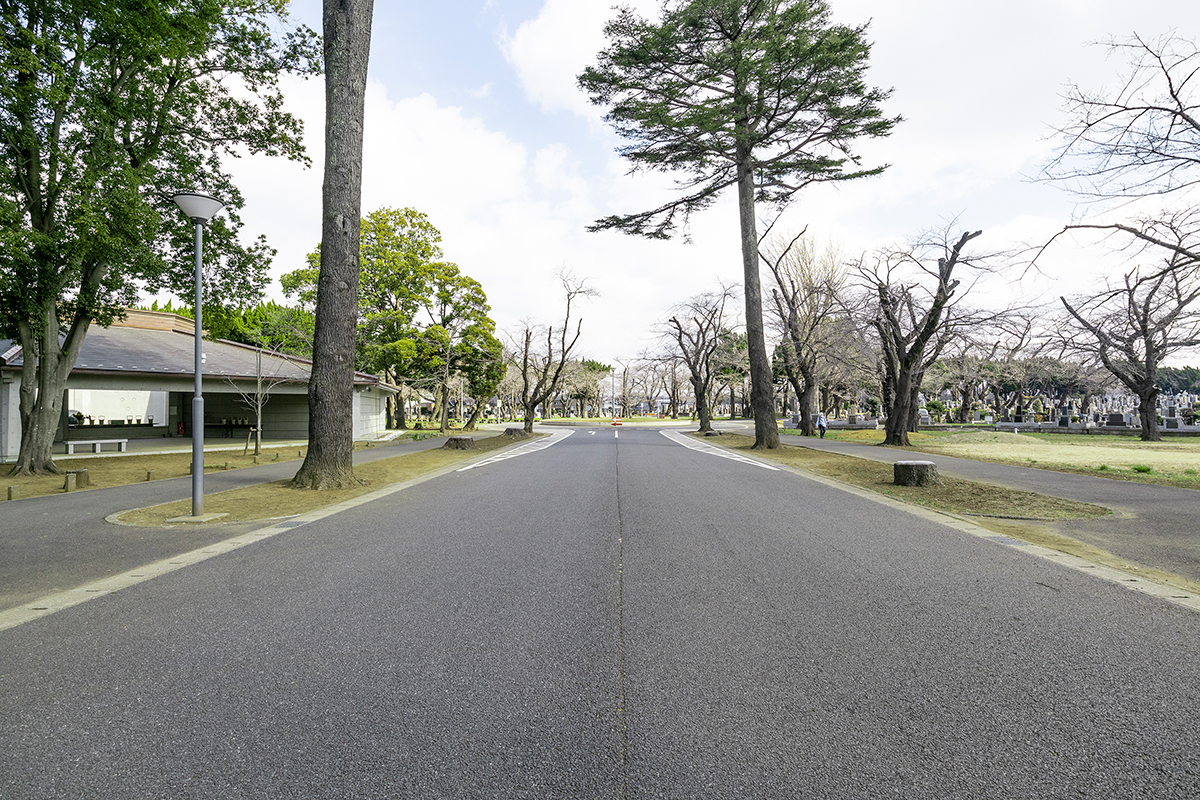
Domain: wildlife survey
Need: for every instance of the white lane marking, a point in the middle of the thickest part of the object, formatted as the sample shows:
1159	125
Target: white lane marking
708	449
616	434
525	449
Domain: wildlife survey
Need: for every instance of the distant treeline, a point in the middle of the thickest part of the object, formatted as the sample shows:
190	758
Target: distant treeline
1179	379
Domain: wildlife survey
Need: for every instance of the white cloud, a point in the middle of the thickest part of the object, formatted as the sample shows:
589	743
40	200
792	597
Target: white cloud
549	51
977	87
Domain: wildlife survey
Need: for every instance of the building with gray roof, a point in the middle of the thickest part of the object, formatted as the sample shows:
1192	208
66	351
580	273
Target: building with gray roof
150	354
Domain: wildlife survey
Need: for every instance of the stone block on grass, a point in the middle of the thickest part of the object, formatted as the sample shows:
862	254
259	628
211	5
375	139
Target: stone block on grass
915	473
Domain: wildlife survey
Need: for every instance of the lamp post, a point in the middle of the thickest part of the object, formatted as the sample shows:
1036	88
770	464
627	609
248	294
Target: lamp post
199	208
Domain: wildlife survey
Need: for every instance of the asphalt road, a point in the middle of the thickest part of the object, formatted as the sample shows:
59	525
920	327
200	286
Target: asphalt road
1152	525
59	541
609	618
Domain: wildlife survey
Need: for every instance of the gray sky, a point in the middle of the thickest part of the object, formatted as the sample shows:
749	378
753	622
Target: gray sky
473	118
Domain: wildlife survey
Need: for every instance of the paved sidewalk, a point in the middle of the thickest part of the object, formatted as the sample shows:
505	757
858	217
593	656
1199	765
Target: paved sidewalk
1155	526
57	542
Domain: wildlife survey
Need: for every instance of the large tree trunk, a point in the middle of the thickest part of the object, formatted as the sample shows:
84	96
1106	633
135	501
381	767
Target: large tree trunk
476	412
1148	414
46	366
806	395
903	403
766	431
330	460
702	409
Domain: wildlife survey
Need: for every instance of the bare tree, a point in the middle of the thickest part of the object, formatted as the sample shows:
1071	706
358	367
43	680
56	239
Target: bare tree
1133	327
1142	139
808	293
914	320
1140	143
697	329
329	463
543	353
256	398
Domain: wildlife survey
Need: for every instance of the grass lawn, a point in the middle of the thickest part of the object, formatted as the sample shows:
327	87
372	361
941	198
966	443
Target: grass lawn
1172	462
120	470
954	496
278	499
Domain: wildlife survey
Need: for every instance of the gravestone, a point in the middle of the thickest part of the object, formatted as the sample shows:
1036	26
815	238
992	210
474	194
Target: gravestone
1064	422
1116	420
1173	422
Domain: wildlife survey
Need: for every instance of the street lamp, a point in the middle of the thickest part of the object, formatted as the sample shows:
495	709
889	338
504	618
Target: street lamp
199	208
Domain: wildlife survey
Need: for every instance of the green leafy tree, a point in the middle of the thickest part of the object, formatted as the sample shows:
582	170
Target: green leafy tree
481	361
421	322
766	96
107	109
460	336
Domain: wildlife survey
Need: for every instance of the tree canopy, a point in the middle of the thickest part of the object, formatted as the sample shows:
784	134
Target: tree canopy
421	321
106	110
765	95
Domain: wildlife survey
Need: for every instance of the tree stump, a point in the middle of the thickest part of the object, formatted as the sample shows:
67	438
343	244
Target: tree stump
915	473
712	433
460	443
515	433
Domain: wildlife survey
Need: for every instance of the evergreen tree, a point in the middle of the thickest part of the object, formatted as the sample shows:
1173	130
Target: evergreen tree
766	96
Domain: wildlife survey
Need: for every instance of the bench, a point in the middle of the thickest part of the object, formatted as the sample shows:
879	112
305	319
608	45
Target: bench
122	444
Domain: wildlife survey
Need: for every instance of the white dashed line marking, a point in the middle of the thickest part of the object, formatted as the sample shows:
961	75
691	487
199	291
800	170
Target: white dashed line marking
525	449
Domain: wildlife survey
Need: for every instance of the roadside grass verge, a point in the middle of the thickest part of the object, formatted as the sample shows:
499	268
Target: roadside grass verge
120	470
277	499
1022	515
1172	462
954	496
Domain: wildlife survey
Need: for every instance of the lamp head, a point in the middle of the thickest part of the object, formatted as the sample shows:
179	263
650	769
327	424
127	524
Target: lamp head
198	207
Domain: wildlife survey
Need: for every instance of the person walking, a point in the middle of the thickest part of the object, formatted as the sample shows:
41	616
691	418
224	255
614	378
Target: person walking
822	423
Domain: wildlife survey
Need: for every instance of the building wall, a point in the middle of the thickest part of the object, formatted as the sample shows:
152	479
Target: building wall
370	412
10	417
285	416
126	404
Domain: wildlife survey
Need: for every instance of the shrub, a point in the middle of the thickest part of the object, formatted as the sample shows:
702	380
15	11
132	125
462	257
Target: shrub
1141	468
